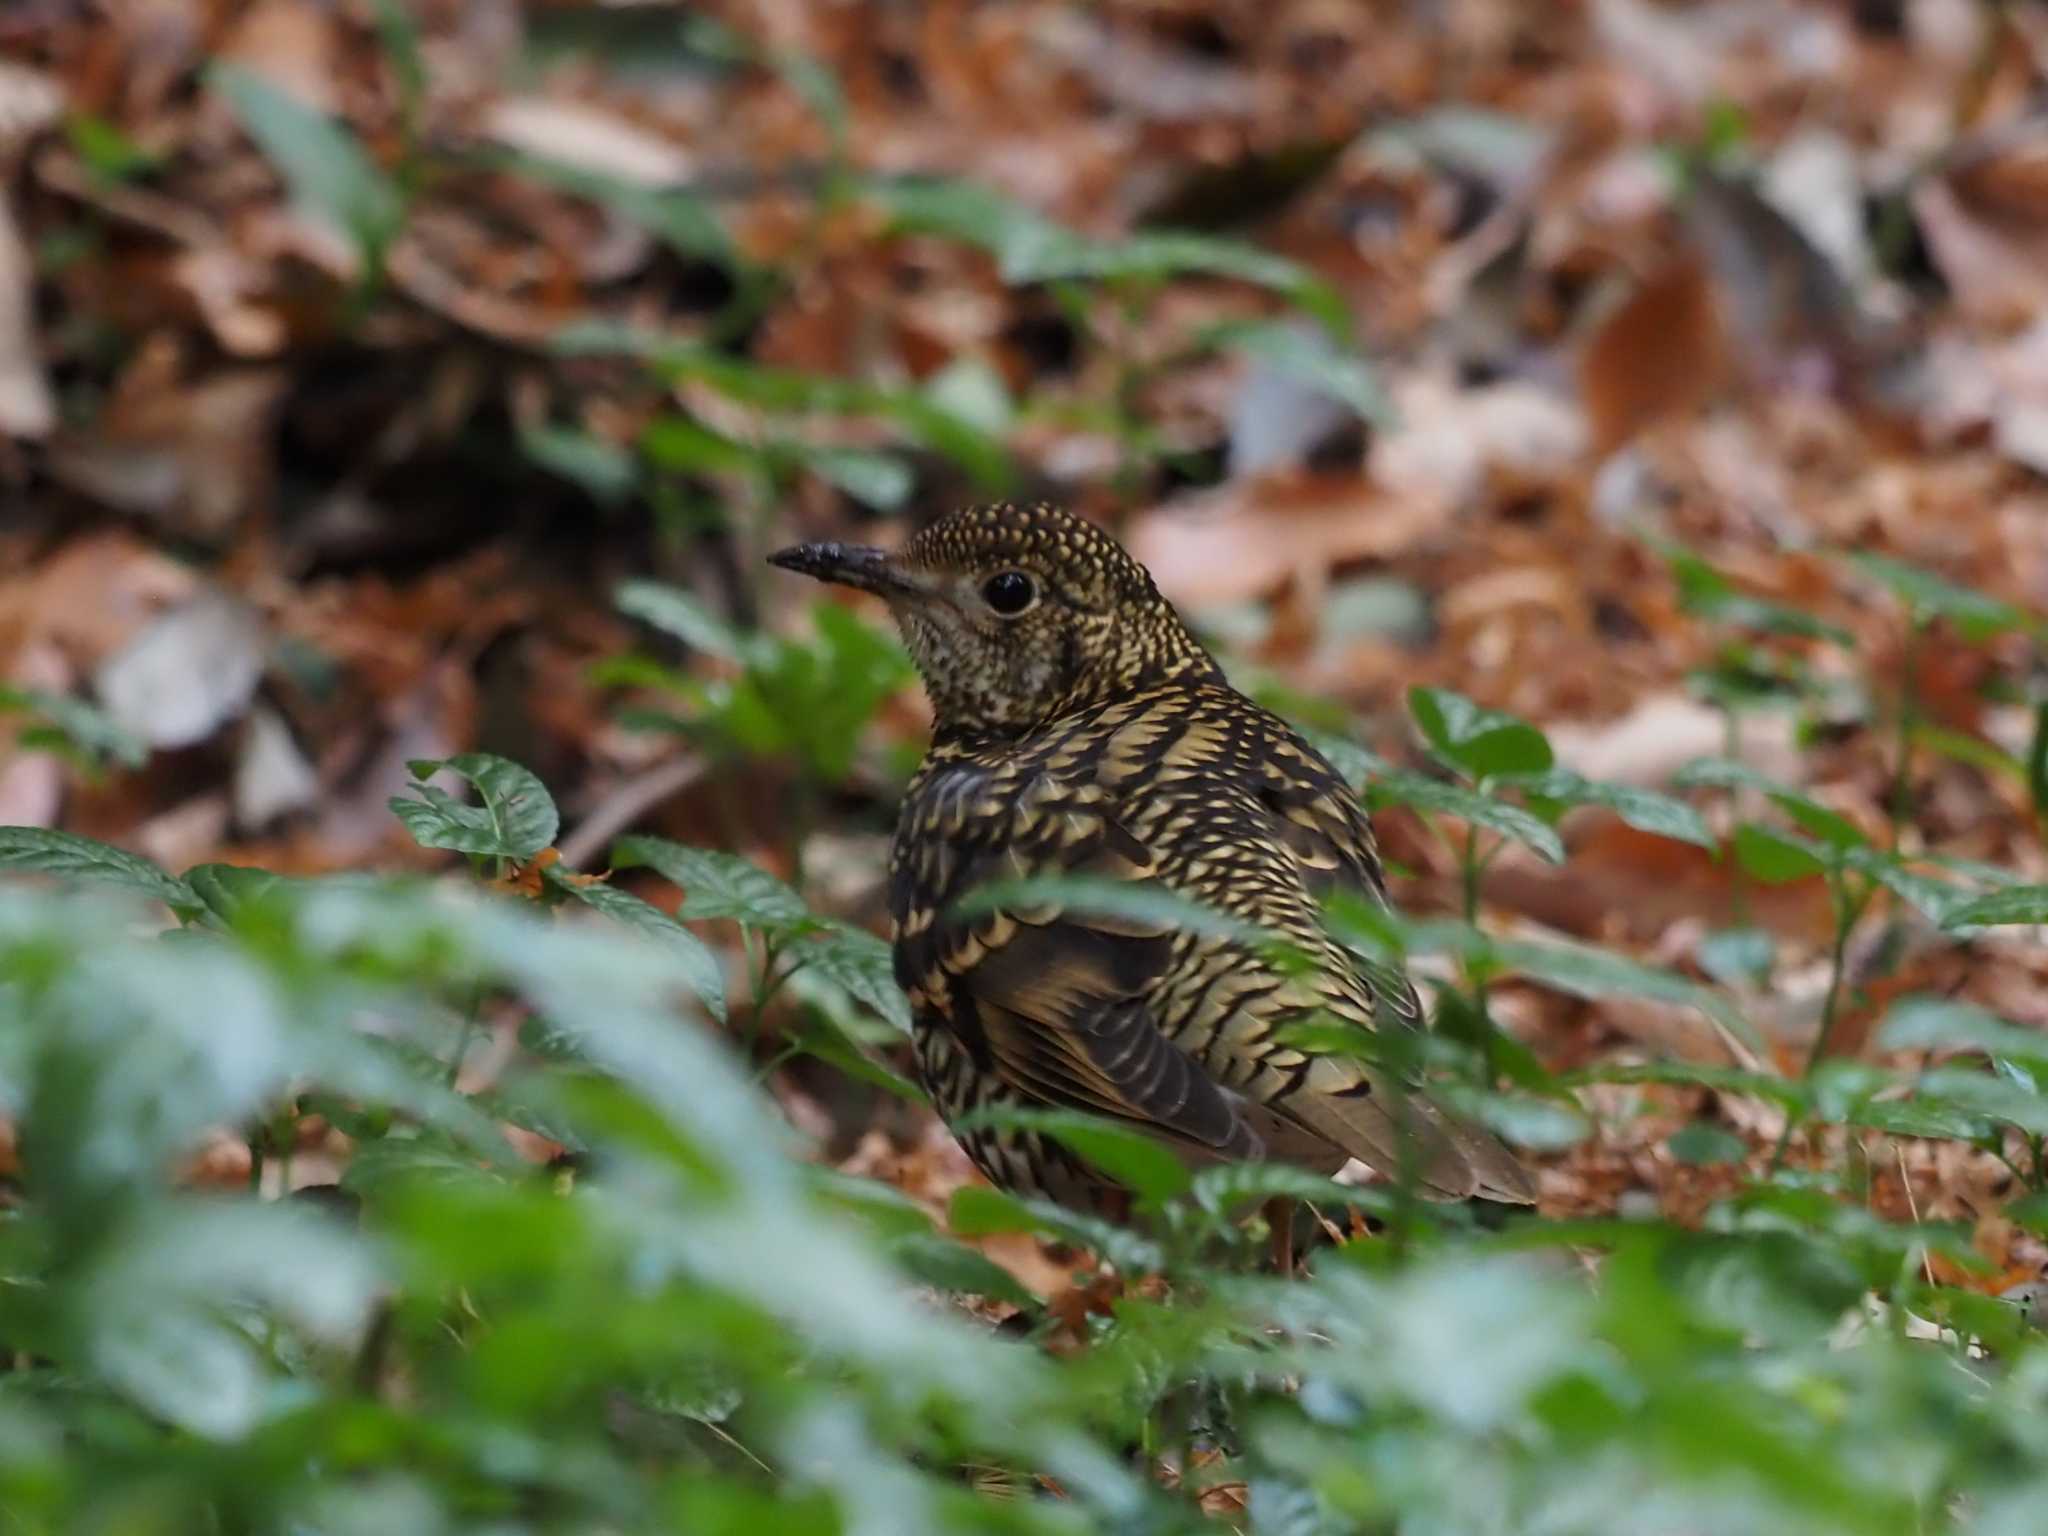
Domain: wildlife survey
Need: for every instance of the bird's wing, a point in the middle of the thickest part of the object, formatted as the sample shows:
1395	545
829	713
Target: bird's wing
1050	995
1318	818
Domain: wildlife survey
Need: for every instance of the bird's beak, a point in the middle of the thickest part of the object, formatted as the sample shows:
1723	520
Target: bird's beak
851	565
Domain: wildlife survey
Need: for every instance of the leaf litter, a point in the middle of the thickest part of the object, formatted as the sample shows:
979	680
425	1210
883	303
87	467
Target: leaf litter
1710	307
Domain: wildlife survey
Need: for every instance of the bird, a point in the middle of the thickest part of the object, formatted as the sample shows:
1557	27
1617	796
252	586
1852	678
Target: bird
1083	734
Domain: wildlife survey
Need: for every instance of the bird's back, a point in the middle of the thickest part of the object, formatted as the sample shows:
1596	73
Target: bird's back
1181	1028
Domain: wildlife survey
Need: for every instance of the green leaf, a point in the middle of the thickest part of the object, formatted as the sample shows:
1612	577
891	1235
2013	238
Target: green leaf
831	1045
2029	1211
1962	747
1788	1092
1130	1157
978	1211
514	818
607	472
1279	1507
1701	1144
1777	858
1542	1124
787	390
227	888
1593	973
1933	899
1358	766
1811	816
330	177
677	218
970	388
717	884
1738	956
1707	593
1965	1091
1469	805
880	480
1227	1190
398	34
1925	1115
685	446
949	1266
1311	358
707	976
1976	615
677	613
1031	248
108	153
39	850
2037	759
858	964
1483	742
84	728
167	1345
1830	827
1643	809
2016	905
1939	1023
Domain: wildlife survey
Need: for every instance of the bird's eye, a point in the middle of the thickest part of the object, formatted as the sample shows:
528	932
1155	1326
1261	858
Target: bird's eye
1009	593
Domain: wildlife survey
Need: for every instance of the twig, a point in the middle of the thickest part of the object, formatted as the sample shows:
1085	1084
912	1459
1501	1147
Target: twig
627	804
1913	1208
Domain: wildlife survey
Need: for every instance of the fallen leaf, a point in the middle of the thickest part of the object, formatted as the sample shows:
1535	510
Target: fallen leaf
272	777
27	408
1658	356
1246	539
291	44
1986	225
187	674
587	137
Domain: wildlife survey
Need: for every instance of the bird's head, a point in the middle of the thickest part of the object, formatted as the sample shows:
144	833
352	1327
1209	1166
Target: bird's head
1016	615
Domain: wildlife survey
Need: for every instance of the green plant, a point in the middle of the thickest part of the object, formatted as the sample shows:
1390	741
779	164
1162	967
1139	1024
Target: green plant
330	175
671	1324
1121	280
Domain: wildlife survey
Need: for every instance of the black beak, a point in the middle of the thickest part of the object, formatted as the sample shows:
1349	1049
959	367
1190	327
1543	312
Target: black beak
849	565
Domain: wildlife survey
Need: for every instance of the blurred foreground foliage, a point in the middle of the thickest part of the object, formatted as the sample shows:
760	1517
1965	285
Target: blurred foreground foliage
677	1323
598	1284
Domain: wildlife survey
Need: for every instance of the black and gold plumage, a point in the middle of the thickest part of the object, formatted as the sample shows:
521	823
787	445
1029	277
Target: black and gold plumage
1082	731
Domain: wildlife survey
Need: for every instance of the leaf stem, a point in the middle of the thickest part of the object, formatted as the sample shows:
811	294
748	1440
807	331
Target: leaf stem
1848	908
462	1040
1897	800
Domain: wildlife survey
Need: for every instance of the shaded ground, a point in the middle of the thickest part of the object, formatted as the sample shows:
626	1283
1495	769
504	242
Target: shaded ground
350	358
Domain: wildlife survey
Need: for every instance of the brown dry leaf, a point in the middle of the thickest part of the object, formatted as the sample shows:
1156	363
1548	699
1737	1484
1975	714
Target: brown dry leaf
27	408
1986	225
229	291
222	1162
1247	540
589	137
1781	292
2015	379
293	45
1662	733
1629	887
29	103
1659	356
32	782
93	595
194	453
1448	443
